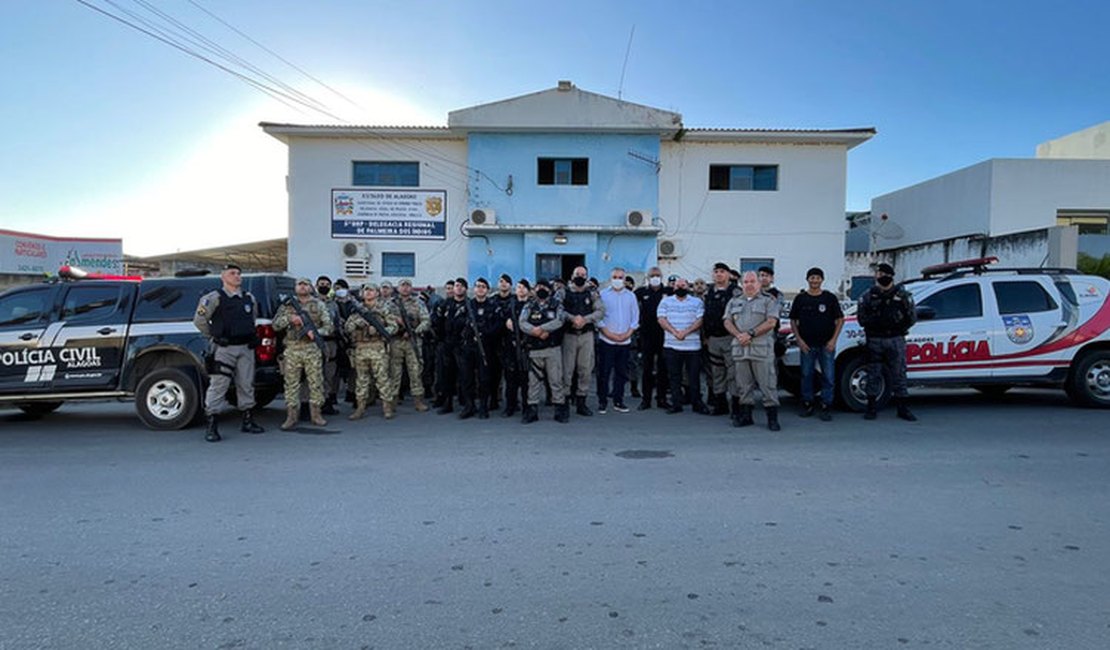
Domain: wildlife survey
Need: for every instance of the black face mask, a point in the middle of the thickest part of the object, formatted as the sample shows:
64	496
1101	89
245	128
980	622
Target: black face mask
542	294
681	293
323	289
885	280
579	281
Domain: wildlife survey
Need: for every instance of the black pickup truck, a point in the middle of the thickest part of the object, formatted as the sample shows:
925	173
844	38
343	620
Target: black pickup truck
123	339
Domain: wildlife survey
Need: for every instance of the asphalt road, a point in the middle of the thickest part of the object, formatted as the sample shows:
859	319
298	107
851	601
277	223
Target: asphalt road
984	525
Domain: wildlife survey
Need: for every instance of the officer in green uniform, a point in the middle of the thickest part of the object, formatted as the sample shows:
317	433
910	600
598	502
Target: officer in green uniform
371	355
302	352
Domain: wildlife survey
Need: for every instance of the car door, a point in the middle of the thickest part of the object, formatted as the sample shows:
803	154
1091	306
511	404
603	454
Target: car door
26	363
89	344
951	339
1029	317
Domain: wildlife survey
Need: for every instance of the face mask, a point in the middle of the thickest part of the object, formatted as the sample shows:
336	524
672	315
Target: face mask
542	294
681	293
579	281
323	290
617	283
340	293
885	280
655	280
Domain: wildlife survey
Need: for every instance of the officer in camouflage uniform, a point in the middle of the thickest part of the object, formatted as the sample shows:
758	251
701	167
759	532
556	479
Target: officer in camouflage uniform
405	353
752	318
302	352
372	352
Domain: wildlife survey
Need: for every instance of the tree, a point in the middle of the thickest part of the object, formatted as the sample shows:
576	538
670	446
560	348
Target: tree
1092	265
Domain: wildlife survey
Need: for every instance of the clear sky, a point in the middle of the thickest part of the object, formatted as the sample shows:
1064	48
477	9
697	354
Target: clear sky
110	133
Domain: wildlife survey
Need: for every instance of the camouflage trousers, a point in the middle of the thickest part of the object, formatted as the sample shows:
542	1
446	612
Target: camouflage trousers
372	358
402	357
304	358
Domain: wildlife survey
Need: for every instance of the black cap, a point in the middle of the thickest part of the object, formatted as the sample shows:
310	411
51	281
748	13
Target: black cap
462	281
722	266
543	283
232	265
525	283
766	269
323	277
341	283
884	268
482	281
816	271
506	277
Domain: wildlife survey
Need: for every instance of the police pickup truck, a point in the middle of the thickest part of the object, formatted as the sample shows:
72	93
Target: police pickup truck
113	337
993	329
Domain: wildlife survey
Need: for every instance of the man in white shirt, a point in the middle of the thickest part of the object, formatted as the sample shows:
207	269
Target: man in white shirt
680	316
622	317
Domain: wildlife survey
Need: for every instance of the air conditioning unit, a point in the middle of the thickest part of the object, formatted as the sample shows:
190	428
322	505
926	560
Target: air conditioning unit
669	248
355	249
638	218
483	217
354	267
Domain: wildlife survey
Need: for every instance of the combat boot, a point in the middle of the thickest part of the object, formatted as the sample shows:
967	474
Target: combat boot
510	407
418	404
720	404
447	406
212	434
562	413
467	409
389	409
483	409
871	413
735	411
329	406
746	415
635	388
531	414
316	417
773	418
581	408
359	412
904	411
291	413
249	425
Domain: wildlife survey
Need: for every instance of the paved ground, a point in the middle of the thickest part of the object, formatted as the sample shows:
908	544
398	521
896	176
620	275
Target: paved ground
987	524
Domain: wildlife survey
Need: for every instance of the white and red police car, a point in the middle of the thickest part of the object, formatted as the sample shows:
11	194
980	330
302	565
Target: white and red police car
993	329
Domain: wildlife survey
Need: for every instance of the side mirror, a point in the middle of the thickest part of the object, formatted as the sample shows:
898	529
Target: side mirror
926	313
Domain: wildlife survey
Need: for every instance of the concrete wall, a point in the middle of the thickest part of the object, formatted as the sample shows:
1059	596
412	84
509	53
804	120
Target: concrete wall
799	226
1026	194
953	205
317	165
1093	142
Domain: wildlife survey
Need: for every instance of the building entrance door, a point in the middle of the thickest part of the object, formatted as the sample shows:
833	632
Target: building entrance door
557	266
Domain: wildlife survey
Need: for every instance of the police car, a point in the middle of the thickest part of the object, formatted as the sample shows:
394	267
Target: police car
993	329
94	337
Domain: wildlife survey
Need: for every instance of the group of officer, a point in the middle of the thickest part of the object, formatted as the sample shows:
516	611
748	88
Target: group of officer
539	343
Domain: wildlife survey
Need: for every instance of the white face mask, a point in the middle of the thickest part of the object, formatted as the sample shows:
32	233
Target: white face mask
655	280
340	293
617	283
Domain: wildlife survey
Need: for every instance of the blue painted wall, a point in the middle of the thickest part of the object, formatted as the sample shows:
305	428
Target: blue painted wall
618	183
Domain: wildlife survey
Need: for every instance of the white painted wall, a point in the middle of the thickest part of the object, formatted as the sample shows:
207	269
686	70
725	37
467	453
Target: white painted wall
953	205
317	165
801	225
1093	142
1027	193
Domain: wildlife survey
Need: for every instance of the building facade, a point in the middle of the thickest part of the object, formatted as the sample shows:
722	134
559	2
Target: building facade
535	185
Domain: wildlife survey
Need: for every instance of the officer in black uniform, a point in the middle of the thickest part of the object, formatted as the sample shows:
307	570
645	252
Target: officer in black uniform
462	343
718	342
648	298
886	312
513	351
227	316
501	299
445	357
475	364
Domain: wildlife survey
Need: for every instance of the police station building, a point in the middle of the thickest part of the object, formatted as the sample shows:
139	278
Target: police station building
535	185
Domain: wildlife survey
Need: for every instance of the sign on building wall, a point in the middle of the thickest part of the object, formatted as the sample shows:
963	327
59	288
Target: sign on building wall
27	253
388	214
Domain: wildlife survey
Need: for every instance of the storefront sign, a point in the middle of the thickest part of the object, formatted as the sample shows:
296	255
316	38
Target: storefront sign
388	214
40	254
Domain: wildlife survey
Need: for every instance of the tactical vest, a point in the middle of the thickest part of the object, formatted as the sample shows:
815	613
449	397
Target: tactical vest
538	316
715	302
887	313
233	320
579	303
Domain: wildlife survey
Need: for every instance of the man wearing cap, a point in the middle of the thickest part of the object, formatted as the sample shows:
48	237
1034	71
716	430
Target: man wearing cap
404	354
227	317
886	313
718	342
541	323
371	357
445	356
484	320
648	298
461	343
583	310
331	346
500	364
385	291
816	320
751	318
302	355
516	354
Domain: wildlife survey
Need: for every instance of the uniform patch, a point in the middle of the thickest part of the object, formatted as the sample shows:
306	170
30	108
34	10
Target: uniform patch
1019	329
821	308
202	310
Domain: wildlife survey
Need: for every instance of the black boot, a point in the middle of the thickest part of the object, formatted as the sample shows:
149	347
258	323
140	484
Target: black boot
494	403
467	409
871	413
447	406
635	388
735	411
212	434
720	405
904	411
510	408
581	408
483	409
329	406
773	418
746	415
808	409
531	414
249	425
824	413
562	413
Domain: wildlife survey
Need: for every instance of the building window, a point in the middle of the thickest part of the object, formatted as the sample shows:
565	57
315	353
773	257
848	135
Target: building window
744	178
386	174
398	265
754	263
563	171
1090	222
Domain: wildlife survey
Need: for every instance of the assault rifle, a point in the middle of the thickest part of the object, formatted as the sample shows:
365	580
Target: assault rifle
407	323
470	318
373	320
307	326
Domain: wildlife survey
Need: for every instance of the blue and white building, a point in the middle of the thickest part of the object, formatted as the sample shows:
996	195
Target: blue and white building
537	184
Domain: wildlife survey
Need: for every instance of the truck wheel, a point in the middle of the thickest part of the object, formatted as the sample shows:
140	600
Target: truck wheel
852	385
167	398
1090	380
38	409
